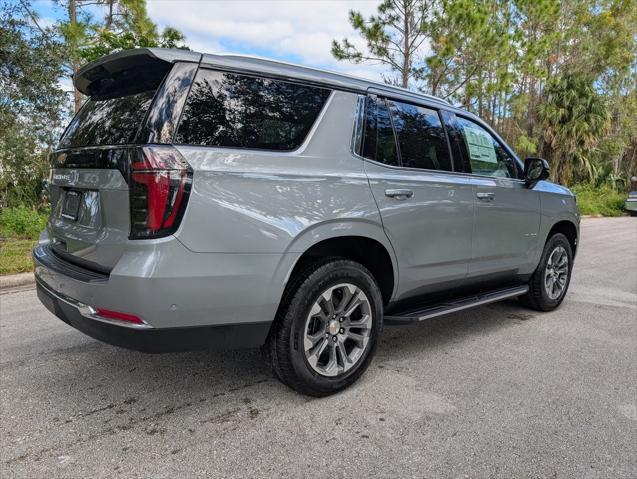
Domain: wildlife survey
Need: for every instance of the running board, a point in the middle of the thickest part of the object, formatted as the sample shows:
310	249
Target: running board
446	307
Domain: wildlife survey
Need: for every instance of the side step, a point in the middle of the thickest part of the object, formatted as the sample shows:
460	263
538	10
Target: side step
446	307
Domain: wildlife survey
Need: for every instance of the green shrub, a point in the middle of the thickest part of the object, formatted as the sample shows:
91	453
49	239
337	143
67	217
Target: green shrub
21	222
599	200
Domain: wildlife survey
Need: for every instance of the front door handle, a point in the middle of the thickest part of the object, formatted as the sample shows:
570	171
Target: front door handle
486	196
399	194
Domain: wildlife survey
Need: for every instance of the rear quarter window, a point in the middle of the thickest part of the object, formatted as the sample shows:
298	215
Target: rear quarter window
228	110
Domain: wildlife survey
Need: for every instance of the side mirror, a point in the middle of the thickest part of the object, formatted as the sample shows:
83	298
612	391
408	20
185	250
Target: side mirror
535	169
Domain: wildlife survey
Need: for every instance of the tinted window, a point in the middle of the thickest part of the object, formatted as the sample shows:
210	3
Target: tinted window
482	153
379	143
108	122
225	109
421	138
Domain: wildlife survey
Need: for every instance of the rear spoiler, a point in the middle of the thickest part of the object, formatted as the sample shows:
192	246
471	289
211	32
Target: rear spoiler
129	71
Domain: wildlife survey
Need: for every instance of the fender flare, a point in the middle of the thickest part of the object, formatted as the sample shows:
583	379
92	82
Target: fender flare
331	229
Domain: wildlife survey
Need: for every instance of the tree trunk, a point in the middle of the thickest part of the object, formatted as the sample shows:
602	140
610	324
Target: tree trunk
407	53
480	97
77	96
109	17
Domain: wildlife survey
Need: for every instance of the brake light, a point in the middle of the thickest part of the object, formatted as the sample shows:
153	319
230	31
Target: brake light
159	190
108	314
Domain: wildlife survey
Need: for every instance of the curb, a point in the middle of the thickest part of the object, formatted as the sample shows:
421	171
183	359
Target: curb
14	280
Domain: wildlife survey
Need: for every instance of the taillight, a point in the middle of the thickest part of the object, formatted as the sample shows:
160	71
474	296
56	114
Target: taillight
159	188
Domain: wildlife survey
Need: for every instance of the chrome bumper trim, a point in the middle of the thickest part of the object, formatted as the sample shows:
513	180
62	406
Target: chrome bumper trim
88	311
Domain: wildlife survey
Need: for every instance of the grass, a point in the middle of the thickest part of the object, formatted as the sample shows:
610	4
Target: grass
599	200
15	255
19	230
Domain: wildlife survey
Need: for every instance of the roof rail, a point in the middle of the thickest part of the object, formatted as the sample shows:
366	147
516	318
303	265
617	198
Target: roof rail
381	87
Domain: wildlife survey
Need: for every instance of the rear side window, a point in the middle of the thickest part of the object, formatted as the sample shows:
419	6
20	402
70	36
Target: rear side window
229	110
379	143
421	138
114	121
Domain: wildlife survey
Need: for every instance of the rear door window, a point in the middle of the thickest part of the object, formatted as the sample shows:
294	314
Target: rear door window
238	111
379	143
421	138
113	121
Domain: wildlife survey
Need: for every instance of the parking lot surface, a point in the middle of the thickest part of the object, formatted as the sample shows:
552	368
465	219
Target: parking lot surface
497	391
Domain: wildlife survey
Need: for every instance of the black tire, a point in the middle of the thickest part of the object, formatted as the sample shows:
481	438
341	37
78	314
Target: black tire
286	339
538	297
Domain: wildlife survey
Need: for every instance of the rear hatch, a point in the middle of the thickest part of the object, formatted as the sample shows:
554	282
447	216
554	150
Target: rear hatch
111	181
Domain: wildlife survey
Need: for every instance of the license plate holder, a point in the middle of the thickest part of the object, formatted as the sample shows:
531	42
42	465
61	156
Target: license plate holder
71	206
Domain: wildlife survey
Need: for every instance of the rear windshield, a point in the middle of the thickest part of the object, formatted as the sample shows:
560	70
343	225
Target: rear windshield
114	121
237	111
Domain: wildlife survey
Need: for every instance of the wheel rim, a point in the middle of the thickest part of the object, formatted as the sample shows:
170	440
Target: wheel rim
337	329
556	273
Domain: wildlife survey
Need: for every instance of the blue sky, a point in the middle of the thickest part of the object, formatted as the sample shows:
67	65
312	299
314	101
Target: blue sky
298	31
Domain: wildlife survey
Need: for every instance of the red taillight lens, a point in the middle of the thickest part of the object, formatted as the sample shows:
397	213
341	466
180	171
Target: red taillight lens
159	186
108	314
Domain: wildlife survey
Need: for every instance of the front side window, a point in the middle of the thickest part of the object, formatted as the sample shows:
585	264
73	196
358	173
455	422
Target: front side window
379	143
229	110
421	139
482	153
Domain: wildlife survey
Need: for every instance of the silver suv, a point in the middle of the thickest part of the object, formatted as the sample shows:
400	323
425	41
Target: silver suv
225	201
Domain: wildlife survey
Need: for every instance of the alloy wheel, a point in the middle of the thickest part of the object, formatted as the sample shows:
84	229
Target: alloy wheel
556	273
337	329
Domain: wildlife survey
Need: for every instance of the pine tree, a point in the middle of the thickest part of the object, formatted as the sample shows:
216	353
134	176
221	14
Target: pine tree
394	37
125	25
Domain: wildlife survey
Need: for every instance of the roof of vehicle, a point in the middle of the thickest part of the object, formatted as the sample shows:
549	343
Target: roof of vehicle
90	78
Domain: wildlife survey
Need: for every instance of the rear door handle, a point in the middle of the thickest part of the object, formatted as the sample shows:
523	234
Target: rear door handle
399	194
486	196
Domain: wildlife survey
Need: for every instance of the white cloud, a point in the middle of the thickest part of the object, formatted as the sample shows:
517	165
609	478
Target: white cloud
299	31
66	84
46	22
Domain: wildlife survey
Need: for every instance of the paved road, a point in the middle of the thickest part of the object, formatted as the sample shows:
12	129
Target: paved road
498	391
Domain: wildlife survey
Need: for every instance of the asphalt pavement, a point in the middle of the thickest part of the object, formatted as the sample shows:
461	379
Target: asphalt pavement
497	391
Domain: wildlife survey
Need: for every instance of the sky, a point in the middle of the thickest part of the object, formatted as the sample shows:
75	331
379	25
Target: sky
297	31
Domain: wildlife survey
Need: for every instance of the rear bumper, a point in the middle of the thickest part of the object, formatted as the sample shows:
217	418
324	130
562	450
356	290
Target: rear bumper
149	339
186	300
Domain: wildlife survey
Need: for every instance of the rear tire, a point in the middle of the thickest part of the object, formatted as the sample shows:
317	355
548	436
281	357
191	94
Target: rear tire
327	327
551	279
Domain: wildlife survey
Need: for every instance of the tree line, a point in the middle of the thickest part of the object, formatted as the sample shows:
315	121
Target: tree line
556	79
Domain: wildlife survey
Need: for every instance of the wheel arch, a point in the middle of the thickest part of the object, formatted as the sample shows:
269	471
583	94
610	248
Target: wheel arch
361	241
568	229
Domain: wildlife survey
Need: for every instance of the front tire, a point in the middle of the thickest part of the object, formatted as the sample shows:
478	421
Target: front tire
327	327
551	279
